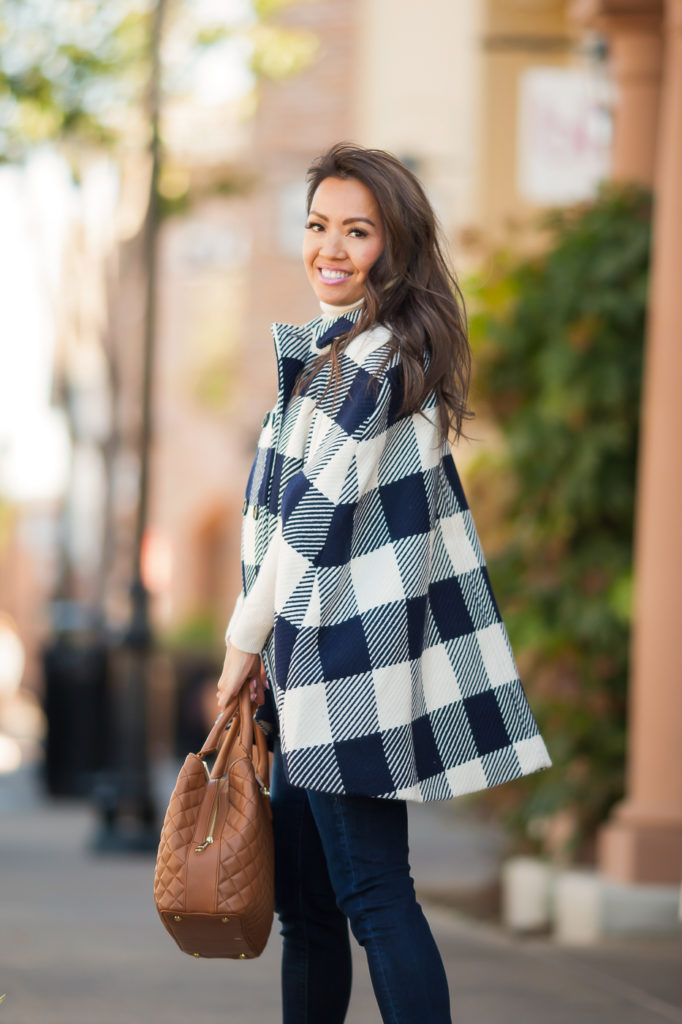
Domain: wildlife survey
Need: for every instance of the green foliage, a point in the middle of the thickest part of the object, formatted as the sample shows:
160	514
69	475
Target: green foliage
8	514
199	631
269	8
214	382
558	342
80	69
178	190
67	69
278	52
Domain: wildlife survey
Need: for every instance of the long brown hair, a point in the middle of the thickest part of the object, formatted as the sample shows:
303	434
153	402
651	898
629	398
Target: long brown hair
410	289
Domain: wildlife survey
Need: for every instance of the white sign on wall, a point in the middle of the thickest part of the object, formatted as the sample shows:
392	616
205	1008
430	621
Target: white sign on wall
564	134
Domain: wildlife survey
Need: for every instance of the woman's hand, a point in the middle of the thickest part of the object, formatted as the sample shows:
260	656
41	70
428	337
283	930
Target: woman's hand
240	667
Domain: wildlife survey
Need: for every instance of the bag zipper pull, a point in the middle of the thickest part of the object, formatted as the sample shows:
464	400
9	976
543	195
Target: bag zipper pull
211	825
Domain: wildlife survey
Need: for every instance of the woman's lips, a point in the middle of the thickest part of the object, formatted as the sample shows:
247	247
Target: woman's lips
331	276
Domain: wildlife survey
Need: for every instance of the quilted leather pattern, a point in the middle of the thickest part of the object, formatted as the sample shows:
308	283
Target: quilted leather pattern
218	902
247	861
176	834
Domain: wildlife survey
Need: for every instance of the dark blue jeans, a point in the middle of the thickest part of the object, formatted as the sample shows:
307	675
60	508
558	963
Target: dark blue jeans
341	859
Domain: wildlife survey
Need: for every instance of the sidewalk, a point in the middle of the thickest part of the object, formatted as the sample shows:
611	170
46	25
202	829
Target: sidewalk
80	942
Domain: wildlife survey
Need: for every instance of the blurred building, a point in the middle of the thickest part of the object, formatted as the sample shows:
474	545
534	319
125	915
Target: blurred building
442	91
502	107
445	92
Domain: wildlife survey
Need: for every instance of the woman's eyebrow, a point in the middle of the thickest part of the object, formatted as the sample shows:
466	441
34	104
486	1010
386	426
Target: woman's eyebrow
348	220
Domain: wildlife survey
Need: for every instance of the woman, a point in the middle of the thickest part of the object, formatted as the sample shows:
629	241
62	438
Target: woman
365	591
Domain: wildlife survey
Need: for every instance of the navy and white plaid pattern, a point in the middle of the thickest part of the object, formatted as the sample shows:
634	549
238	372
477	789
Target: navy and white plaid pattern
389	662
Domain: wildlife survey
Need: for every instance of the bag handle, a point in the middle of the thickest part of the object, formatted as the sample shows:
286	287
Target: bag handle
222	760
262	763
238	715
221	723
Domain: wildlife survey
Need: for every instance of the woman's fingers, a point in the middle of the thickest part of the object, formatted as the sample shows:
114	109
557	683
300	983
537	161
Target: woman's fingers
239	667
257	688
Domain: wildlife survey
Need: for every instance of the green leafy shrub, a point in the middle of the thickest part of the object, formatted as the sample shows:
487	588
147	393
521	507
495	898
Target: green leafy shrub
558	342
198	632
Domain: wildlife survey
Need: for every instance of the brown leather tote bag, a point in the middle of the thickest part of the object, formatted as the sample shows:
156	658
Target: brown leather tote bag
214	876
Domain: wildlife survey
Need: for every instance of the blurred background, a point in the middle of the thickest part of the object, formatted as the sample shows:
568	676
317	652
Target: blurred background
151	211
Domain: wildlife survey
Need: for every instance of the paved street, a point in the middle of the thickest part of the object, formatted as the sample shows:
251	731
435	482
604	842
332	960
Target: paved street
80	942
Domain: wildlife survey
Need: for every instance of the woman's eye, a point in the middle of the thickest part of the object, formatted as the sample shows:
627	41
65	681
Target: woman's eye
314	225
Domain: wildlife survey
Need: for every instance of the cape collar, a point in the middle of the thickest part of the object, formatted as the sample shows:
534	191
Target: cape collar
327	328
298	341
294	345
339	325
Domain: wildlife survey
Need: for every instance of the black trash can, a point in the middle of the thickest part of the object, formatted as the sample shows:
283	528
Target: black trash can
75	664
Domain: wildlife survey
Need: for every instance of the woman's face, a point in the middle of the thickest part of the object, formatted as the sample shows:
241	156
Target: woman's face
344	237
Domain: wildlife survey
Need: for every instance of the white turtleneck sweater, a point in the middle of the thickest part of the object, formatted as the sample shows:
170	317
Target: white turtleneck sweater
253	615
329	311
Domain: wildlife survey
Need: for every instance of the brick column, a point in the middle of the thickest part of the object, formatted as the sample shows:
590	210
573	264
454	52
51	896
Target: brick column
643	840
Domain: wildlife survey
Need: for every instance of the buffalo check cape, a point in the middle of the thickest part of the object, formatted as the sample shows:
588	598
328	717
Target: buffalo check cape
390	665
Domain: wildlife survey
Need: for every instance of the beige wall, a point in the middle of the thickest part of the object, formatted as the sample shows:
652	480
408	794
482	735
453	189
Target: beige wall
442	88
418	94
517	34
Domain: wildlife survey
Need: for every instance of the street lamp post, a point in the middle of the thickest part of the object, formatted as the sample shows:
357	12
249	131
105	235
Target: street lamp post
129	817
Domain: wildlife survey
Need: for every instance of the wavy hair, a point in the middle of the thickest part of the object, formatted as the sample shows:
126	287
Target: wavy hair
410	289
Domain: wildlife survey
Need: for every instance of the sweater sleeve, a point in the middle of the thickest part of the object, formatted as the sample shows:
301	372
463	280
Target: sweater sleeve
253	618
235	612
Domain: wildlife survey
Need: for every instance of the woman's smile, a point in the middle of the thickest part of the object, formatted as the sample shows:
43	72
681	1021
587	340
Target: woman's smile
331	276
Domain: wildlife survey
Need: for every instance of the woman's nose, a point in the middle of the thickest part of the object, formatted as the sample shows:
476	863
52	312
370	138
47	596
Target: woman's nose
333	245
